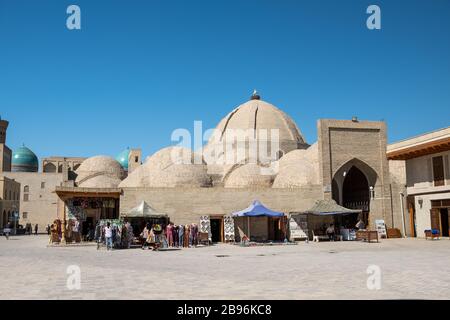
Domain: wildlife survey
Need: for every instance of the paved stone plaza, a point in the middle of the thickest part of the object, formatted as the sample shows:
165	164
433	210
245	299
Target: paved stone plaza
411	269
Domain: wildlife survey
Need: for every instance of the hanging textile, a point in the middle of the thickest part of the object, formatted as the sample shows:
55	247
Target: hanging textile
75	212
228	223
205	226
113	222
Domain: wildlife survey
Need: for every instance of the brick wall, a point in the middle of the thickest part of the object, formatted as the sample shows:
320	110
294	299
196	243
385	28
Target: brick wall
186	205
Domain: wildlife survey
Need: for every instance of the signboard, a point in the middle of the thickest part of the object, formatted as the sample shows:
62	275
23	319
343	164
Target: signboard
298	227
381	228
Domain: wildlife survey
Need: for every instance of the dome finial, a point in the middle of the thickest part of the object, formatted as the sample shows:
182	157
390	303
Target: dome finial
255	95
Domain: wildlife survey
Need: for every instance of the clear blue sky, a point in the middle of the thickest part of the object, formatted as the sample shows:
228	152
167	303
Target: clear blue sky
140	69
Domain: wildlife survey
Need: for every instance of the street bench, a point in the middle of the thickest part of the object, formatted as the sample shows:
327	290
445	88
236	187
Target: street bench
318	236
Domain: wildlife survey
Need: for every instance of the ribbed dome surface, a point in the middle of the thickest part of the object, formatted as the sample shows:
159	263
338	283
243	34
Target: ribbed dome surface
258	114
101	182
99	172
249	176
298	168
168	168
242	133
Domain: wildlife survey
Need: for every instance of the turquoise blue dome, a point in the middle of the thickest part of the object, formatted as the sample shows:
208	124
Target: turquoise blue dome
24	160
123	157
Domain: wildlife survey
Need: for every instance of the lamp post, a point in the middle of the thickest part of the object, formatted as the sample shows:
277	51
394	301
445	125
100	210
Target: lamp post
372	192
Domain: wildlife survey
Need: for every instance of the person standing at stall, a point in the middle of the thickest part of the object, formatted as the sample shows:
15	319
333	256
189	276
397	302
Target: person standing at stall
144	236
108	236
331	232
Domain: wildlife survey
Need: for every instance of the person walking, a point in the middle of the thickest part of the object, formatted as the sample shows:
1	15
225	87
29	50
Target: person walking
7	230
36	228
108	236
48	229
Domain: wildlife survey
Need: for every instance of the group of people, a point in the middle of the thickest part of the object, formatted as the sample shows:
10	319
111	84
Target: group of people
331	230
73	231
29	229
121	236
115	236
170	236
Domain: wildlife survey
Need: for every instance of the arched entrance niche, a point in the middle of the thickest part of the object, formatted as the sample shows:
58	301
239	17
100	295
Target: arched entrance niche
352	185
50	167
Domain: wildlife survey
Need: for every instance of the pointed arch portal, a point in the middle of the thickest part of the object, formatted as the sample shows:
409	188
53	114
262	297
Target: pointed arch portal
351	187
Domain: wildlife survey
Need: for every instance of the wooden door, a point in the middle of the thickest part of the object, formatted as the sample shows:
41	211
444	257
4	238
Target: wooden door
436	219
412	222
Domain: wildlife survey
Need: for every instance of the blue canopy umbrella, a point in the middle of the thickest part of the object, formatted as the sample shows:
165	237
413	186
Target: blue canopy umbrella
256	209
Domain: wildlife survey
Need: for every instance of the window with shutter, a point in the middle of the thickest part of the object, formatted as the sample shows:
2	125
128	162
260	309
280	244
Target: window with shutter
438	171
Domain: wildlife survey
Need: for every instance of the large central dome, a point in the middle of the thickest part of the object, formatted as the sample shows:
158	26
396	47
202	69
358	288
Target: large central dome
257	122
258	114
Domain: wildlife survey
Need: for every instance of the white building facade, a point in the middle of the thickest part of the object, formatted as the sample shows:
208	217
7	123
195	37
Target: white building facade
427	171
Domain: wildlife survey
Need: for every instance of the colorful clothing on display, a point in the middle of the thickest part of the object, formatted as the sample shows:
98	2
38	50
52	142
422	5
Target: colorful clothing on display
187	232
181	236
169	235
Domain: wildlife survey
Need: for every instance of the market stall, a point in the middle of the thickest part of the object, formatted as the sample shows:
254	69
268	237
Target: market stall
261	223
84	208
327	212
144	214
